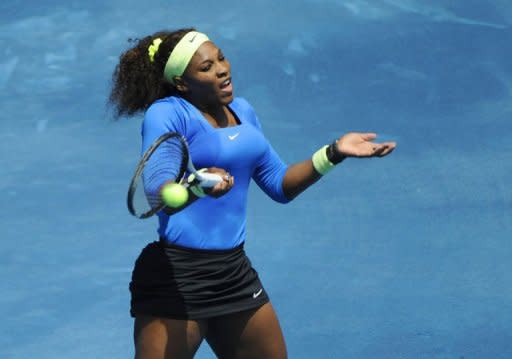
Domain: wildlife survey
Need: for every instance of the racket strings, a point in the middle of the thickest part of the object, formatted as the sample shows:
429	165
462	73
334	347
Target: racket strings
166	164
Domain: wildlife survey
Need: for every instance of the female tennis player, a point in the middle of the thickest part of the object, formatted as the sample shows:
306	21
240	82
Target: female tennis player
195	282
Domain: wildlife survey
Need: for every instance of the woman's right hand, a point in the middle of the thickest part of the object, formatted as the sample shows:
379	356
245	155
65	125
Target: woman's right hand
223	187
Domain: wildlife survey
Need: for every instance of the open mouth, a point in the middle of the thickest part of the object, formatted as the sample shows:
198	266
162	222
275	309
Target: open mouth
225	84
226	87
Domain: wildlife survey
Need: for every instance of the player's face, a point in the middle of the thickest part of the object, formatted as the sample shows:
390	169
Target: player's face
208	77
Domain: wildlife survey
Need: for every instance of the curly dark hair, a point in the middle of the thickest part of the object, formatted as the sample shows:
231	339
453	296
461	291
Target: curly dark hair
137	82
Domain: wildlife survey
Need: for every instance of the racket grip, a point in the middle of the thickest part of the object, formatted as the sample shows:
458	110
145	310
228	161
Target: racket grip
208	180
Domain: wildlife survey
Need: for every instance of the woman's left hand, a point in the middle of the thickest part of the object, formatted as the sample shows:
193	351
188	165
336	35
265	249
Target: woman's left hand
360	145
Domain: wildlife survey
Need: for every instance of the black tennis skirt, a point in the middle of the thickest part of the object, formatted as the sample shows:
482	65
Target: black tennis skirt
181	283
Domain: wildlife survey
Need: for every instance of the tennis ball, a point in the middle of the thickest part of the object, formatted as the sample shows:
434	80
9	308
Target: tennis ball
174	195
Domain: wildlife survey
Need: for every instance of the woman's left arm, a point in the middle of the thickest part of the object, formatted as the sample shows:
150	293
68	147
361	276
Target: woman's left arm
301	175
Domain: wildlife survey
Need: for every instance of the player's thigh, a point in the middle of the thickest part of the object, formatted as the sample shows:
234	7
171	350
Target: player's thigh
160	338
250	334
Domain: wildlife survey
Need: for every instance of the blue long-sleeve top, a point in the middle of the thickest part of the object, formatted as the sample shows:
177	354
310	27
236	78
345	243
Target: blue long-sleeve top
242	150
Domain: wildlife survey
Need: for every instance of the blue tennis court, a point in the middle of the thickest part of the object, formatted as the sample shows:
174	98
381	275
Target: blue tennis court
407	256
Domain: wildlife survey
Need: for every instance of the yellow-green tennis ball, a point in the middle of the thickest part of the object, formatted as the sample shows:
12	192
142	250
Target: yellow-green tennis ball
174	195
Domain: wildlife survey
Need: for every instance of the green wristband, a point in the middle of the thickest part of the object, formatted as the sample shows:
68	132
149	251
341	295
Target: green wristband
320	161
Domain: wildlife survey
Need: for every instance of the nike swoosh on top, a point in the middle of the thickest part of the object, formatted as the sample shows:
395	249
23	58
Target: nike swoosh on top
232	137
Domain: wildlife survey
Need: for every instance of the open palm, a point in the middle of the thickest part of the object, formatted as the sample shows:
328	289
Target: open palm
355	144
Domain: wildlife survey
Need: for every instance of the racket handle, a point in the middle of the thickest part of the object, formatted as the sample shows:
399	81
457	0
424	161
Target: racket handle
208	180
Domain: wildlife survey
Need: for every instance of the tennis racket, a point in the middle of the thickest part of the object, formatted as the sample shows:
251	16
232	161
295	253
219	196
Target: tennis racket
166	160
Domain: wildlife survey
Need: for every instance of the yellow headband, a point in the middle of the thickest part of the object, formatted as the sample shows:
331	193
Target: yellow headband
182	54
